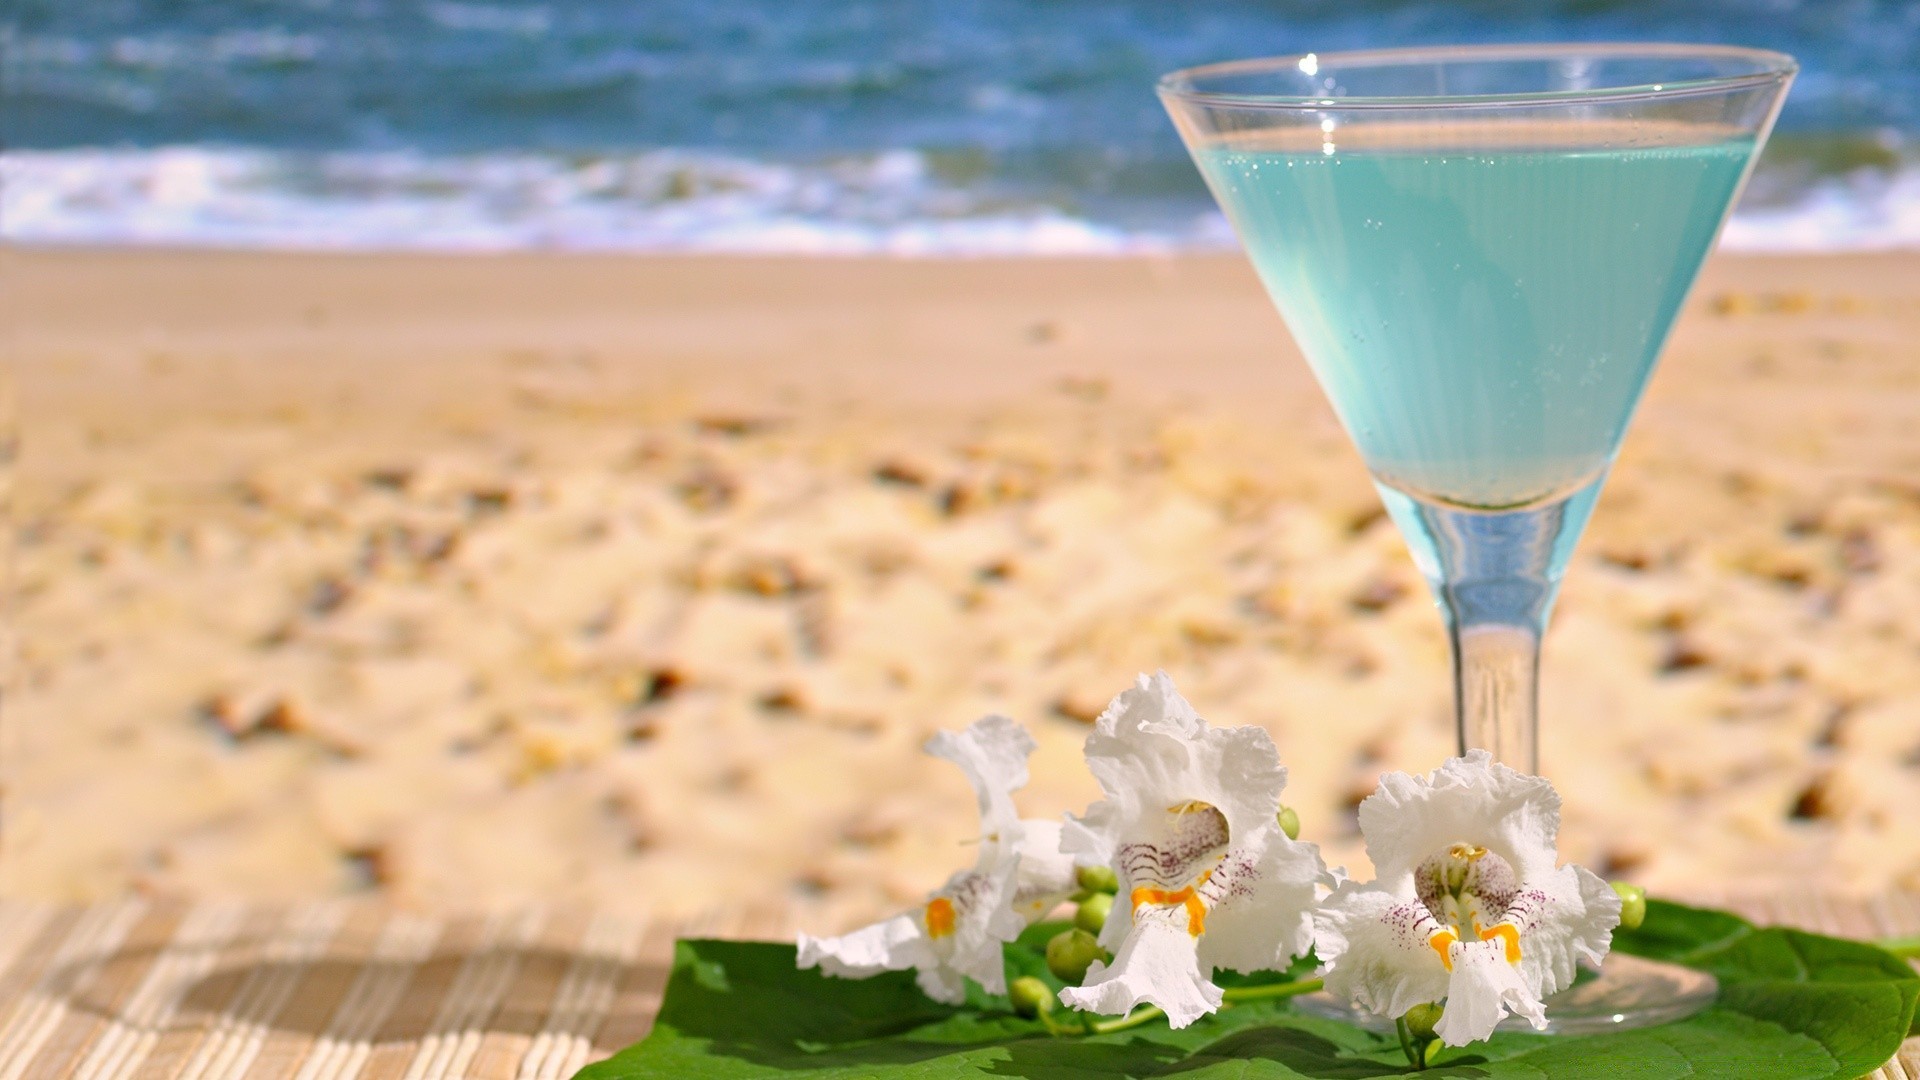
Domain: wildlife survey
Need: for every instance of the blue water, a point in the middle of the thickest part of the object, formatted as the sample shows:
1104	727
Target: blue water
1483	322
991	125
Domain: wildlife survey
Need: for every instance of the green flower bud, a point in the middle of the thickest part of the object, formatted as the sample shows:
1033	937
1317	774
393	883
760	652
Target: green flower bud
1030	997
1290	823
1097	879
1071	953
1092	915
1633	905
1422	1019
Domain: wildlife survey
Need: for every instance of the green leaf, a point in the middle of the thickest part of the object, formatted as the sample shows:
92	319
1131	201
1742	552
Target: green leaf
1793	1006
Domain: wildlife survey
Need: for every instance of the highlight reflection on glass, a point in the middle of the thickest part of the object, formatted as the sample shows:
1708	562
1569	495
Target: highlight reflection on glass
1481	251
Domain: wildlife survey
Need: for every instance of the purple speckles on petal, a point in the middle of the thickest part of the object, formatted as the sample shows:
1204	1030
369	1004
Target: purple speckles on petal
1493	881
1528	908
1234	877
968	890
1412	925
1452	885
1193	842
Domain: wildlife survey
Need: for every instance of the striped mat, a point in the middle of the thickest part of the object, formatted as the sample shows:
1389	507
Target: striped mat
349	989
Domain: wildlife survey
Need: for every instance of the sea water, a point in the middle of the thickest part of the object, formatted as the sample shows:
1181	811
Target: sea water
983	127
1483	321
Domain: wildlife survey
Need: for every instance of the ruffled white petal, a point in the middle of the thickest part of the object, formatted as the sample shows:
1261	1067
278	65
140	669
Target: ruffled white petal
1482	990
1019	876
985	919
1150	751
1477	840
1514	815
1565	917
944	984
894	944
1046	876
1374	945
1267	919
1156	963
993	752
982	918
1207	878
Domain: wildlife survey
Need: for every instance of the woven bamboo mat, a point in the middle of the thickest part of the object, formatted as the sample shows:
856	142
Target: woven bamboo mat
343	989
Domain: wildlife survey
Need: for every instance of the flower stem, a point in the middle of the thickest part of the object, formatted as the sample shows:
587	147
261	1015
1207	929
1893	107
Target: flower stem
1148	1013
1415	1049
1905	947
1272	990
1133	1019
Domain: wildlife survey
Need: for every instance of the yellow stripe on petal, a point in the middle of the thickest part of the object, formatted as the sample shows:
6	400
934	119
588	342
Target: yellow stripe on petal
1509	936
939	917
1442	942
1187	898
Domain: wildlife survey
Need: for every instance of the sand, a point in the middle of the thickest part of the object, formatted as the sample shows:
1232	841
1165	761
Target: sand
638	582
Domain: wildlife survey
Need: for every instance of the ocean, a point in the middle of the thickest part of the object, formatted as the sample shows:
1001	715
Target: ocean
934	128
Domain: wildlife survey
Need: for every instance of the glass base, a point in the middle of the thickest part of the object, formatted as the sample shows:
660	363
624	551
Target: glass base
1627	993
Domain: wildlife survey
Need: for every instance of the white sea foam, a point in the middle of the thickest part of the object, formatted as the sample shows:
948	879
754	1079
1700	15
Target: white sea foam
669	200
652	201
1866	210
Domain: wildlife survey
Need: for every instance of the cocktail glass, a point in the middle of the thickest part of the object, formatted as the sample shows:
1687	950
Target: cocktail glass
1480	250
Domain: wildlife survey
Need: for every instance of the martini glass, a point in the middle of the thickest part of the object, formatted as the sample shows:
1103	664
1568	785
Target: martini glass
1480	250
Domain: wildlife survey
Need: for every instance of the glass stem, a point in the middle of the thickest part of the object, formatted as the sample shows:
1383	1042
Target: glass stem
1496	691
1495	575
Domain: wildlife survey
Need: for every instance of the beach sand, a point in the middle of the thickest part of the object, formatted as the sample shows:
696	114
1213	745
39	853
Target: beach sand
640	581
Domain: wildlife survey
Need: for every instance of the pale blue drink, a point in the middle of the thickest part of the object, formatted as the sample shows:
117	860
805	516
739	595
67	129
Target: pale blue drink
1483	321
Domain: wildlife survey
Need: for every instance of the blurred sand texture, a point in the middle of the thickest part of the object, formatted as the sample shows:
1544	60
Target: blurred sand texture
639	581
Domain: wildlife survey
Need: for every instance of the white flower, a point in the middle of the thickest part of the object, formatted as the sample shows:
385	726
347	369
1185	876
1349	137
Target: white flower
1019	877
1207	878
1468	903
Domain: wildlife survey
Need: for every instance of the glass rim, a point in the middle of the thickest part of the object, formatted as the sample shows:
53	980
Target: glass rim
1769	67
